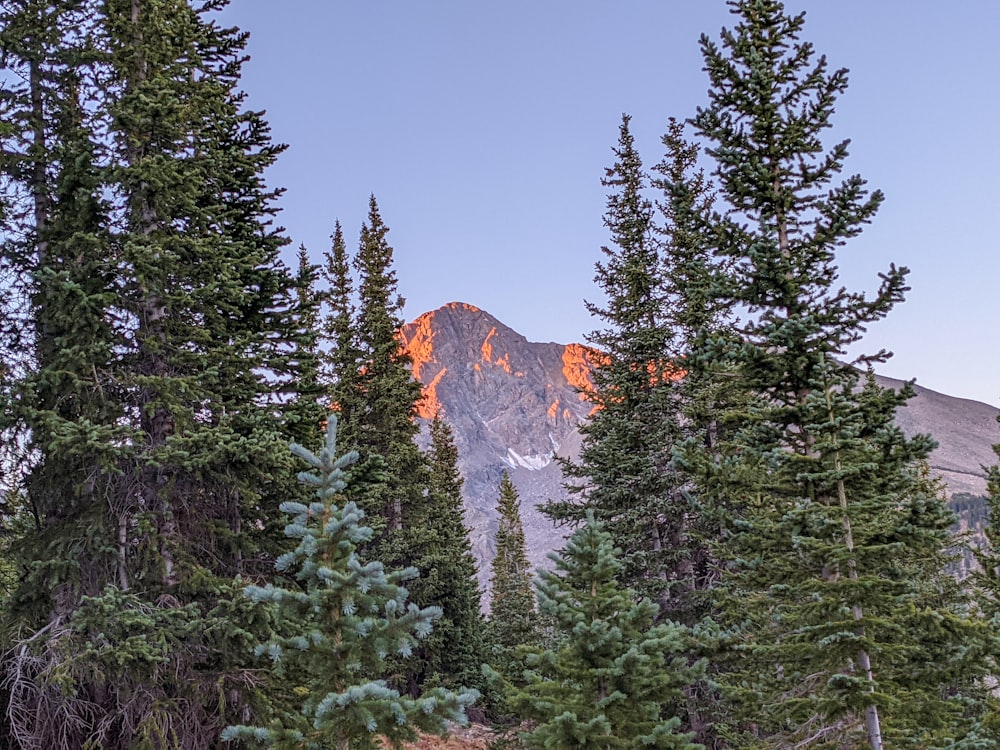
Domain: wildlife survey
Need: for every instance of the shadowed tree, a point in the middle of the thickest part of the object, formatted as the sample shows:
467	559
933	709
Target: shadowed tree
512	620
159	303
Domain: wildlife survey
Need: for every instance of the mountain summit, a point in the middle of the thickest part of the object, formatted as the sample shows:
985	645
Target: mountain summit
516	405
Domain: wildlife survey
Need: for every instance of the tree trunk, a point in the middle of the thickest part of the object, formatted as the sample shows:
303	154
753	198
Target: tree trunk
158	423
872	724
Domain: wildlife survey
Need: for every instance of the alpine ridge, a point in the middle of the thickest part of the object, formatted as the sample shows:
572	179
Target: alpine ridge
515	405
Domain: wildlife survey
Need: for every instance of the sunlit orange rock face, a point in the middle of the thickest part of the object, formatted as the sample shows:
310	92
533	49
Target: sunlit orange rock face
513	404
578	362
417	339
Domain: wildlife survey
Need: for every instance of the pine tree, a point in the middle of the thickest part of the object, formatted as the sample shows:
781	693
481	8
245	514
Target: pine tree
160	253
624	461
612	674
829	516
337	626
441	551
383	425
512	620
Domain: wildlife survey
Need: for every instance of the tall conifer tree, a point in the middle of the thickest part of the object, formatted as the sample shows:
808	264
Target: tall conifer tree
413	500
629	485
832	519
55	250
343	360
698	317
159	430
441	551
383	425
659	282
304	389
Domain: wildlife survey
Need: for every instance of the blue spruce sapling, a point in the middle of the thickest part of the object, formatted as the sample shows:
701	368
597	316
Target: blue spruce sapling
336	629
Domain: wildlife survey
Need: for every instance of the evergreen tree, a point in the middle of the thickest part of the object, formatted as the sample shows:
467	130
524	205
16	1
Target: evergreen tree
305	388
337	626
832	520
512	621
454	652
624	461
986	579
297	399
413	501
158	303
56	236
383	424
699	317
611	675
343	360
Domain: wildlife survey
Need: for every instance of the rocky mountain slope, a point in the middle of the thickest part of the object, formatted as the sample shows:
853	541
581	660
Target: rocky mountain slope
514	406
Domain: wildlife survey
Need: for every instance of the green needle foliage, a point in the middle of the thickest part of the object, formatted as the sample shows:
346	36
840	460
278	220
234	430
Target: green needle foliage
513	620
455	651
832	535
627	483
612	677
986	578
342	360
157	327
383	424
413	500
339	625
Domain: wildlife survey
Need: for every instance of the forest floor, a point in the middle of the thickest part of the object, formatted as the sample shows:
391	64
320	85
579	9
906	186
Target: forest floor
474	736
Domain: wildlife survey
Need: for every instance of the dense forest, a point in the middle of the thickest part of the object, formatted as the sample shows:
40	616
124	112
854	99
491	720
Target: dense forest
220	530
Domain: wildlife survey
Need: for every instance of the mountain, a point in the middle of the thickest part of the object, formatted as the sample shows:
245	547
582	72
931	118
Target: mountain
514	405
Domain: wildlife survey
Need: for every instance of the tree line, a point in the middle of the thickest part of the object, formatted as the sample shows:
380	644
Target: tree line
759	557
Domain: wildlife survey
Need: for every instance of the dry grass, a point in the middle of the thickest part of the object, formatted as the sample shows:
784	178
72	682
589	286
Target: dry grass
474	736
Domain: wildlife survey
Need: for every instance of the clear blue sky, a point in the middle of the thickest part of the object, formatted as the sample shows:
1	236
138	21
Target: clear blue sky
483	127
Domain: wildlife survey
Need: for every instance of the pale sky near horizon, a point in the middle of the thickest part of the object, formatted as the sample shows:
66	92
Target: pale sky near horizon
483	128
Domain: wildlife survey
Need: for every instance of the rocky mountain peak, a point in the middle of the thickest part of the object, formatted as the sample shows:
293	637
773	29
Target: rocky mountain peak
514	406
495	387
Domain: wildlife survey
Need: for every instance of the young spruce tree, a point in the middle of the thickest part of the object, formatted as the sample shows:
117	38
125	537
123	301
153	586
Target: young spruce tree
612	674
337	626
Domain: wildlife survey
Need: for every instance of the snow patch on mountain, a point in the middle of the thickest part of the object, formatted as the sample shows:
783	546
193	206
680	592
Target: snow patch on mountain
531	463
